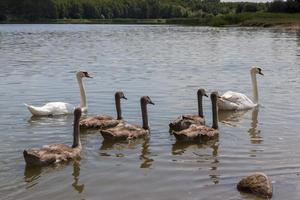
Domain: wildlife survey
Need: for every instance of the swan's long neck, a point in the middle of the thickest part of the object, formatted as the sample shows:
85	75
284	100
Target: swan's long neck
200	107
82	93
144	114
215	113
118	107
254	87
76	132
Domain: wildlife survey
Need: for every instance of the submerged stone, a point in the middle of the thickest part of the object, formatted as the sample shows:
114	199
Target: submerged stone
258	184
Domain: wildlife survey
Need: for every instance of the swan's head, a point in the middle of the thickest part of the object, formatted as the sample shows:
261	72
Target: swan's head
82	74
146	100
256	70
201	92
120	95
214	96
77	113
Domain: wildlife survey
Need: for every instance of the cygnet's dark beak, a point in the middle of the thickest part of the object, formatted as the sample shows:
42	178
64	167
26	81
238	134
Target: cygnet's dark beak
123	97
261	73
150	102
205	95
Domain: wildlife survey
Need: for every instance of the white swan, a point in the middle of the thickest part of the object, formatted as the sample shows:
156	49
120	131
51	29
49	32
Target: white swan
238	101
61	108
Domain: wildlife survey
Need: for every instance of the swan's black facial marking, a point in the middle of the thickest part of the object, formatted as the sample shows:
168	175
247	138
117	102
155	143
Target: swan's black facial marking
123	97
149	100
120	95
146	100
86	74
259	71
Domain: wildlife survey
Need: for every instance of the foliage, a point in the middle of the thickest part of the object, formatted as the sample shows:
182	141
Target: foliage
138	9
289	6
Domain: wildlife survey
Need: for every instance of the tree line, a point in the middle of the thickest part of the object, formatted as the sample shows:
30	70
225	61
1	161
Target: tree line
140	9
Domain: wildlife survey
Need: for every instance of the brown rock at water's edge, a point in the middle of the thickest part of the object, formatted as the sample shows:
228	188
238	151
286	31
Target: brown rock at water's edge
256	183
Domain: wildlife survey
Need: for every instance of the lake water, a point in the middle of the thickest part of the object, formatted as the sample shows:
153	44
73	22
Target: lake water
168	63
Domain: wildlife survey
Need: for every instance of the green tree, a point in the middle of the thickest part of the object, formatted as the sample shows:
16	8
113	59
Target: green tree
250	7
75	10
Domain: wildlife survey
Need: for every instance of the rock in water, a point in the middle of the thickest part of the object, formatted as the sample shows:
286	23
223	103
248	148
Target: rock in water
258	184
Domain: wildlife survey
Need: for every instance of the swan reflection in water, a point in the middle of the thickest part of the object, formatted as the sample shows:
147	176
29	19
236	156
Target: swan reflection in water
33	174
76	172
42	120
121	145
233	118
254	132
180	147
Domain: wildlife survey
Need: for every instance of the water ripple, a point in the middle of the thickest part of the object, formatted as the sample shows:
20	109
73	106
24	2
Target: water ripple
168	63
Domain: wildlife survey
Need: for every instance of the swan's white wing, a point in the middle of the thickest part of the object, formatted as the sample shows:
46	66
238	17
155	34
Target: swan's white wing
59	108
236	97
52	108
235	101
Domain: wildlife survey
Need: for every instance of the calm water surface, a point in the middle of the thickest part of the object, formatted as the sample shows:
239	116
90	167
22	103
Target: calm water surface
168	63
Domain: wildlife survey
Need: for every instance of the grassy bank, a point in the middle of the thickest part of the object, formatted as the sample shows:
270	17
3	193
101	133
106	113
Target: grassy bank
242	19
257	19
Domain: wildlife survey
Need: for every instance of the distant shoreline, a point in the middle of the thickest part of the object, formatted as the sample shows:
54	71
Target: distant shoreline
242	19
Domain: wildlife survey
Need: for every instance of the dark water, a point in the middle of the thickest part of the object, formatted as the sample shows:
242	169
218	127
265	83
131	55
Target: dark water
168	63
